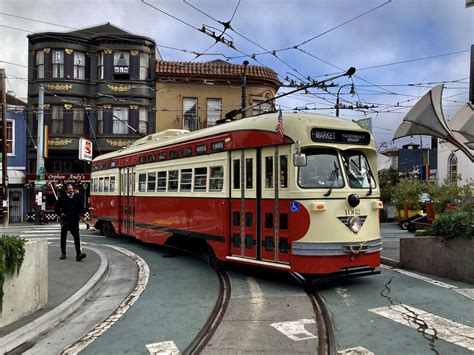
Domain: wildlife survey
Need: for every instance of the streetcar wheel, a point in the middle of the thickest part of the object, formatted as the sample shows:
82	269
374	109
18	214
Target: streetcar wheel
108	230
211	259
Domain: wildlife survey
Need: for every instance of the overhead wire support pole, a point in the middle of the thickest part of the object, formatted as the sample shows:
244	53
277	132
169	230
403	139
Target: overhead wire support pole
4	149
40	173
244	89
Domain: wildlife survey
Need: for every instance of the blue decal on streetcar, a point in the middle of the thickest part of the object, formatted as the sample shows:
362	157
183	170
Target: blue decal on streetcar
294	206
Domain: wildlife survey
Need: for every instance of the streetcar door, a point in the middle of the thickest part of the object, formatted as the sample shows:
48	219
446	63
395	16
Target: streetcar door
245	236
275	205
127	218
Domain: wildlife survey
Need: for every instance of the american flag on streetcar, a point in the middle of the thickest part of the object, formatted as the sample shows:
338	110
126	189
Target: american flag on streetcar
279	127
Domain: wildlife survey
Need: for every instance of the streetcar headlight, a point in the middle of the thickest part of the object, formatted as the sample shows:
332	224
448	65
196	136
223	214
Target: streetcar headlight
355	224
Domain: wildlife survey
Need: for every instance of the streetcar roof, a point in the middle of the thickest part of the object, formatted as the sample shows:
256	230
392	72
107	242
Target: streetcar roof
296	126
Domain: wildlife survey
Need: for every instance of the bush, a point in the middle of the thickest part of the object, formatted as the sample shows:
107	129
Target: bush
388	180
450	192
12	254
458	223
408	190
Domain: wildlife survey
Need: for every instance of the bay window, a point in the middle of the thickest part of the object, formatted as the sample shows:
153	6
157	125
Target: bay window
120	120
58	63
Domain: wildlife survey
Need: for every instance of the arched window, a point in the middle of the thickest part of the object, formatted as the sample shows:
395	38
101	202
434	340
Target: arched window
453	166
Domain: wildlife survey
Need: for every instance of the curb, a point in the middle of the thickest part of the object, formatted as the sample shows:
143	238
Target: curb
58	314
390	262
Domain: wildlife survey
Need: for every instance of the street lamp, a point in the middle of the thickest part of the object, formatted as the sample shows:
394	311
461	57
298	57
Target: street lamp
352	93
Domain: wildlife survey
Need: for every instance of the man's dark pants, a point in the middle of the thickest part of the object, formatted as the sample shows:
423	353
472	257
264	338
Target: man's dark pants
74	229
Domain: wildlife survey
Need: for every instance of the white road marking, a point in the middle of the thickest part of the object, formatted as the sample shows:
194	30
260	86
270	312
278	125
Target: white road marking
466	292
101	328
448	330
295	329
163	348
359	350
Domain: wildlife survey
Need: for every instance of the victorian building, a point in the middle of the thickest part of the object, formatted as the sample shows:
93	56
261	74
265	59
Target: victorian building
192	95
99	83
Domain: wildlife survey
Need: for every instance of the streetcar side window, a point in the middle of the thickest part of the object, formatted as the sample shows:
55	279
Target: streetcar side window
200	179
101	184
151	184
106	184
161	181
236	174
283	171
173	176
269	172
94	185
142	182
216	178
186	179
249	173
112	184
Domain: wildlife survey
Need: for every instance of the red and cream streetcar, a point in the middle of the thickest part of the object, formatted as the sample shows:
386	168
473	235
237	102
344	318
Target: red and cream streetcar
305	201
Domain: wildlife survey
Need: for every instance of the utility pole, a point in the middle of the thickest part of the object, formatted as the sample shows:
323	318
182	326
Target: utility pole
4	149
471	79
244	89
40	172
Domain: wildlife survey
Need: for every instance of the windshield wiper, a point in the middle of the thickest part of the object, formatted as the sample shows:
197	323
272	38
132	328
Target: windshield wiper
332	178
370	182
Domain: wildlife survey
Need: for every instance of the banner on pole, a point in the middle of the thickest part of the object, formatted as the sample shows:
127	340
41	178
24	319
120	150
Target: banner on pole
85	149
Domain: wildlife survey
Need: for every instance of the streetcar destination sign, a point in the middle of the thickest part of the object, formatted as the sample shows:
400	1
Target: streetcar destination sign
336	136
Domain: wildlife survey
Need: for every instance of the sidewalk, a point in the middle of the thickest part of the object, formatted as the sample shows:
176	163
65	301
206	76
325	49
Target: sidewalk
69	284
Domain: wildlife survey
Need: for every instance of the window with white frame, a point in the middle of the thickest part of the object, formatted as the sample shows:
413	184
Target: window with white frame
186	179
151	184
161	183
79	65
143	120
57	121
120	120
10	137
58	63
40	64
100	121
141	182
78	121
216	178
261	107
214	110
453	167
173	176
121	63
144	65
100	66
190	112
200	179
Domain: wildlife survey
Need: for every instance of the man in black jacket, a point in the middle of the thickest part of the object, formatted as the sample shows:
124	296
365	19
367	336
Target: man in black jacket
70	209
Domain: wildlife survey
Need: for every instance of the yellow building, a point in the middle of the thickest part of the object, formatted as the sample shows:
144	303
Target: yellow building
192	95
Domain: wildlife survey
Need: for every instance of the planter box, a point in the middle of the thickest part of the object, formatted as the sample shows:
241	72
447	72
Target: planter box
27	292
450	258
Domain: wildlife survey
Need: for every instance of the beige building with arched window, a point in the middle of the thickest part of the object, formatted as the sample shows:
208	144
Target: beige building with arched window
192	95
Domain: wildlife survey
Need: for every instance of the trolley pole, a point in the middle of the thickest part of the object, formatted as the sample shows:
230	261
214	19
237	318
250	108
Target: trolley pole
244	89
4	150
40	173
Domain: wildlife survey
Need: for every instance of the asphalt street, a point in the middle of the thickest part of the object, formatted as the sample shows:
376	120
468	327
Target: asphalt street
391	313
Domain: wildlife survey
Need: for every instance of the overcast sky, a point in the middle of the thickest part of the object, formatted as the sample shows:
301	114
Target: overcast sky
440	31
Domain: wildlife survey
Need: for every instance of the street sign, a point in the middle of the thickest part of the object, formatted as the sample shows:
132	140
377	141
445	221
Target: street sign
42	173
40	182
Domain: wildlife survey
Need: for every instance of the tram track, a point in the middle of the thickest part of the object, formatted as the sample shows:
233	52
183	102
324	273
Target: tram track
326	336
207	331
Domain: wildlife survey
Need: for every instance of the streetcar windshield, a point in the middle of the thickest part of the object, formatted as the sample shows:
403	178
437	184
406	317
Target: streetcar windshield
357	170
321	171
